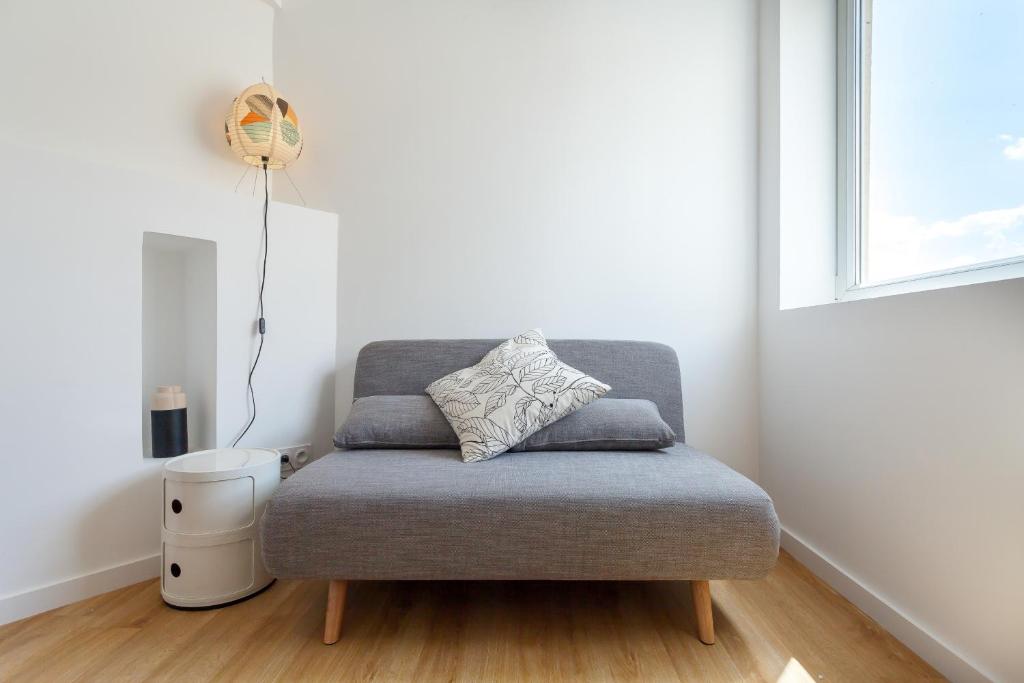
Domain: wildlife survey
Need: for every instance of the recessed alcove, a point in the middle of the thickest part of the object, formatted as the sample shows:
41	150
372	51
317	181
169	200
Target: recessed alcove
179	330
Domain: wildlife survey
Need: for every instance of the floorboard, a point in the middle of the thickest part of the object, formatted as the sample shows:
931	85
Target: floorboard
786	628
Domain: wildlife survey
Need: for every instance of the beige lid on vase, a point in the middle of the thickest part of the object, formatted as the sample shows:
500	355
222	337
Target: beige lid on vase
167	397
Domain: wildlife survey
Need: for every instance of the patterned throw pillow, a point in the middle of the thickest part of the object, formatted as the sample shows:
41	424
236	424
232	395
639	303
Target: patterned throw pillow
518	388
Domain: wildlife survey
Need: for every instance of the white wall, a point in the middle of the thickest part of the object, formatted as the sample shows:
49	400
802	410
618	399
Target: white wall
142	85
806	172
585	166
115	128
890	428
84	499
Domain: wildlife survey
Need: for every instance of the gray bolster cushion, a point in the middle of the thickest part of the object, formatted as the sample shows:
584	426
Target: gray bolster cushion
620	424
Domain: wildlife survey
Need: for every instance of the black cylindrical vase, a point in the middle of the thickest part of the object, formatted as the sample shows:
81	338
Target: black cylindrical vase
169	422
170	432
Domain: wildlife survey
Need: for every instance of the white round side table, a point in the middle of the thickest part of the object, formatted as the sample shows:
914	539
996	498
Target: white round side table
213	502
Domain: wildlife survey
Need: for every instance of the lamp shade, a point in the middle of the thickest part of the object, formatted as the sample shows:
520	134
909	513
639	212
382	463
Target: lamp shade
262	128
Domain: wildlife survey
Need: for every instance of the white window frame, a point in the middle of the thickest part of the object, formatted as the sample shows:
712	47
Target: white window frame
851	197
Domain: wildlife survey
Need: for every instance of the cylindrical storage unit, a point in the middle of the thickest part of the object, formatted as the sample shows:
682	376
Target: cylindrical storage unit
213	502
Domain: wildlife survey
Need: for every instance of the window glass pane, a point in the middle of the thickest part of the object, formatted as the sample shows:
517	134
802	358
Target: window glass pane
943	135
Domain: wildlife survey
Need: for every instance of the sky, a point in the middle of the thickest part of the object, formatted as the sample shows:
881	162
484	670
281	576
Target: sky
946	183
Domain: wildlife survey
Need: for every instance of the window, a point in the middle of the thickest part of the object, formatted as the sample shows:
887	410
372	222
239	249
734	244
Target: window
931	143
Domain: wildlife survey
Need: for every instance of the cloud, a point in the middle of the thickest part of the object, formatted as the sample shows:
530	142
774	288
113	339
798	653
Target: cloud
899	246
1015	150
988	223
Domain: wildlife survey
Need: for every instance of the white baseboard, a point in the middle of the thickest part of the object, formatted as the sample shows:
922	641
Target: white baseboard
949	663
42	599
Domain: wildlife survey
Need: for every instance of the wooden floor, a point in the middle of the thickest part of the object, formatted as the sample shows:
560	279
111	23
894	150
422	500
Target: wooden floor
788	627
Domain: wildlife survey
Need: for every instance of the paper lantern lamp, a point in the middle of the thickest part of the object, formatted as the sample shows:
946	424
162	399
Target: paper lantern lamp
262	128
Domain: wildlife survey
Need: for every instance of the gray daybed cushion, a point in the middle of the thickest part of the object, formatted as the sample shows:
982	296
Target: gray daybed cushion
634	369
395	422
417	422
608	424
601	515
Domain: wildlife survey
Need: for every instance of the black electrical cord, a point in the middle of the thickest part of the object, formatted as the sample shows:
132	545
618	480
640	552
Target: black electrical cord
262	322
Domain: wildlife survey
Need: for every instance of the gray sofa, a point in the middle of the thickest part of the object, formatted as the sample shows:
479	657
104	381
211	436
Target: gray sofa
673	514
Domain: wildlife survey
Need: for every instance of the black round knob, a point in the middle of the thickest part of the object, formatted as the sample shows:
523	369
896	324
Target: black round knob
175	570
176	506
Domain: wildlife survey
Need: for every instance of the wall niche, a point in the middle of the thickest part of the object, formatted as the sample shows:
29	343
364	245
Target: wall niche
179	330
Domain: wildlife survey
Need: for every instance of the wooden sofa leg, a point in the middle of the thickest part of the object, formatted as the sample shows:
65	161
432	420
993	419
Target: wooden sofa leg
702	607
335	610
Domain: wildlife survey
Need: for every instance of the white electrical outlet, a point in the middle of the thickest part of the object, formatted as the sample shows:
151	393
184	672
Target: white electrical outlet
298	456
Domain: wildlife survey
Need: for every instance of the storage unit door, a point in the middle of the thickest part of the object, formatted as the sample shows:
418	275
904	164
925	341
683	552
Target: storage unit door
208	572
208	506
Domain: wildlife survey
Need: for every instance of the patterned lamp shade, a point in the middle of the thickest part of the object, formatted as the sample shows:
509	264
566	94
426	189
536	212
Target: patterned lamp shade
263	128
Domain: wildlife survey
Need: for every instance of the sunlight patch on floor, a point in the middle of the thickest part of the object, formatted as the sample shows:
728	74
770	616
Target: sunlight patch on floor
794	673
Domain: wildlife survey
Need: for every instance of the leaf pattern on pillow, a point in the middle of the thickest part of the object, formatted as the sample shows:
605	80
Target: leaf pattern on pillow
585	392
472	452
520	415
487	430
544	384
494	402
459	403
489	383
520	359
537	369
530	337
446	383
478	401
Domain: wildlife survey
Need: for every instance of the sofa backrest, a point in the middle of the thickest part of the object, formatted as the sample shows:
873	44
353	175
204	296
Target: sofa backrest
633	369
